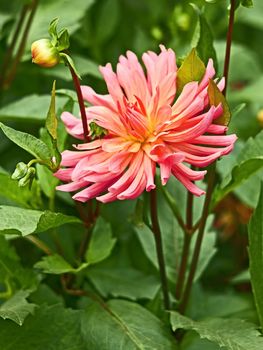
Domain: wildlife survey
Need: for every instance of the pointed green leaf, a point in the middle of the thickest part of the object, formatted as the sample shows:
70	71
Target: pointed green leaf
29	143
101	243
215	98
51	121
17	308
231	334
63	40
256	256
51	328
106	327
16	220
192	69
57	265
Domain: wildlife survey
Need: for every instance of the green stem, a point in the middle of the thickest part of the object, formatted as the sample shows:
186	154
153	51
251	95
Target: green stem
186	246
40	244
11	75
159	248
194	262
81	103
9	52
229	42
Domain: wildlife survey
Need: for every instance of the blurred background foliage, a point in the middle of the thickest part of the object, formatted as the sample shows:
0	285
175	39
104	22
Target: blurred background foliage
100	31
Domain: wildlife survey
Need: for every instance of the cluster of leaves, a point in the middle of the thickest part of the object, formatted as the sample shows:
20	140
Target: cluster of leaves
109	296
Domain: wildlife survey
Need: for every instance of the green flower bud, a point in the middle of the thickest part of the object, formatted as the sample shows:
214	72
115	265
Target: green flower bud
28	178
20	171
44	53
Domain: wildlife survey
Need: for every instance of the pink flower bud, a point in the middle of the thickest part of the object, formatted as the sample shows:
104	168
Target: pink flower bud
44	53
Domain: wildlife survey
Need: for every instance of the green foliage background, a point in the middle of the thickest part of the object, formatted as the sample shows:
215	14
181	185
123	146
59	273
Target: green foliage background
122	308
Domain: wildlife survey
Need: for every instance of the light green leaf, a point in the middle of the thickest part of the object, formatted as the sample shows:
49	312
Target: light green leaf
231	334
101	243
122	324
249	161
16	220
57	265
123	282
51	328
256	256
105	24
17	308
31	108
29	143
192	69
215	98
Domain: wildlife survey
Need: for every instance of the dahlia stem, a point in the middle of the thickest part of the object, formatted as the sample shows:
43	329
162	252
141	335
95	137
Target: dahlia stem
81	103
211	179
40	244
10	77
229	42
159	248
186	246
197	249
9	52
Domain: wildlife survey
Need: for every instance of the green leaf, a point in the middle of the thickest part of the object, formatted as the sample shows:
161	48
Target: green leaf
51	120
29	143
57	265
105	24
47	180
17	308
247	3
31	108
192	69
101	243
256	255
204	44
232	334
248	162
51	328
215	98
52	30
16	220
69	62
63	40
22	196
123	282
124	324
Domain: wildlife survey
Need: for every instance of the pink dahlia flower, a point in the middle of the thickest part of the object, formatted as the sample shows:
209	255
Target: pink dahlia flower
146	127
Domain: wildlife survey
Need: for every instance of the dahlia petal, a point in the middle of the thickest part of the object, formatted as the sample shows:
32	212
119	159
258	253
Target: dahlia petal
190	186
72	186
73	125
224	140
91	192
64	174
186	97
71	158
217	129
209	73
149	169
97	100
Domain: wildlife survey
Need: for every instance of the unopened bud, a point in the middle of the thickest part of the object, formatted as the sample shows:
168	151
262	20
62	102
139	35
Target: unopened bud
44	53
28	178
20	171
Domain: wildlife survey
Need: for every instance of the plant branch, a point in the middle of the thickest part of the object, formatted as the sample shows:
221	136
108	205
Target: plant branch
194	262
228	43
159	248
40	244
9	51
81	103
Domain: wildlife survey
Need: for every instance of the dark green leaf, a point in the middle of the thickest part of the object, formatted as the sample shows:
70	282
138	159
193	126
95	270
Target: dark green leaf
101	243
123	282
29	143
51	328
256	255
232	334
124	324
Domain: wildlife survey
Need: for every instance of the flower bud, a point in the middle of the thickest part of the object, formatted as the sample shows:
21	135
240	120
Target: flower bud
20	171
44	53
260	117
28	178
